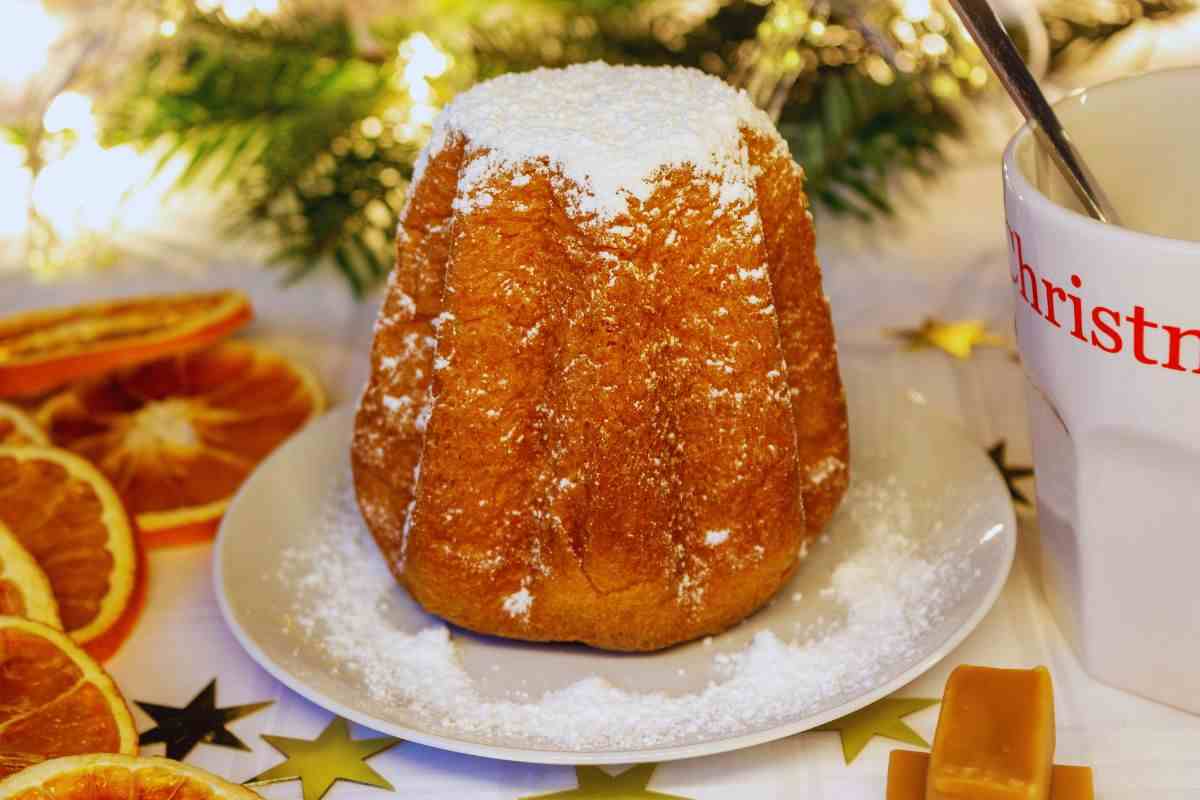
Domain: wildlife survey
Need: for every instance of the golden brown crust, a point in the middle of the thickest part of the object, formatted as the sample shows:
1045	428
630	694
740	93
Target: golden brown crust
609	442
818	399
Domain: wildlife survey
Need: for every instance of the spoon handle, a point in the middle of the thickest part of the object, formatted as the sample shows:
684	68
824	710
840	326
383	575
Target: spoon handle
1001	53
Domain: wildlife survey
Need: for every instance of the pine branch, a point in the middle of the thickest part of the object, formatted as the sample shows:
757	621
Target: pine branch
271	113
276	114
855	133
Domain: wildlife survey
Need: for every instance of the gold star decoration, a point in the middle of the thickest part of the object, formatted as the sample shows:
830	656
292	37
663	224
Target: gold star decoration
200	721
331	757
596	784
882	718
959	338
1010	474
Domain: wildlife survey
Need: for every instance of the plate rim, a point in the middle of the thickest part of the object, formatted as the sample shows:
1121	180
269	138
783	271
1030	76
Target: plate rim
599	757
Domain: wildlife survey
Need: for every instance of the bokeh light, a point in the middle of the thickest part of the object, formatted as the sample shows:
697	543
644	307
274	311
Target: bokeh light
239	10
70	111
26	37
85	190
82	191
418	61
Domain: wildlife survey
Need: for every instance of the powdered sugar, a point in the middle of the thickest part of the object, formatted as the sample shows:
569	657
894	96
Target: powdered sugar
396	404
518	603
607	129
824	469
882	593
716	537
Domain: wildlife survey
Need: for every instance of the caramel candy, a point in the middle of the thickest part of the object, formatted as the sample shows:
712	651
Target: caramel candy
1071	783
995	736
906	775
907	770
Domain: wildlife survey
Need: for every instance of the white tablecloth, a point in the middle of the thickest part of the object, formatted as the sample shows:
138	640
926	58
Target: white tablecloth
946	257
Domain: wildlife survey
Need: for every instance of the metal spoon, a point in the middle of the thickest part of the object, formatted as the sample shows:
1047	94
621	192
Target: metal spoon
1002	54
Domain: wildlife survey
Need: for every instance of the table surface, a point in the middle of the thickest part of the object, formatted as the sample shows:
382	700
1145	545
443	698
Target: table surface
945	256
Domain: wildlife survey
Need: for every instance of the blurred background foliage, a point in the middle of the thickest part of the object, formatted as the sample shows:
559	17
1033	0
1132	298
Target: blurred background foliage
307	115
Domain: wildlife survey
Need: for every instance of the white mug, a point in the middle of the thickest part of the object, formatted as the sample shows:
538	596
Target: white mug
1108	326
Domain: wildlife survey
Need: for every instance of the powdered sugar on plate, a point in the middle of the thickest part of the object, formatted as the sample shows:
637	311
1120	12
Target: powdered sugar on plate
879	591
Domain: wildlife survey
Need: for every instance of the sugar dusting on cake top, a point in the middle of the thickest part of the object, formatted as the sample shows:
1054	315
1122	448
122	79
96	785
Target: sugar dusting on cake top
608	129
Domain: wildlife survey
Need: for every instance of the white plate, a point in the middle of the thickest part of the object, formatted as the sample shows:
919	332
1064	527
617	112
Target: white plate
955	510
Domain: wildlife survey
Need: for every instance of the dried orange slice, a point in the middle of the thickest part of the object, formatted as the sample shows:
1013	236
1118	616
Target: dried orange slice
42	350
16	427
69	518
105	776
55	700
178	436
24	589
